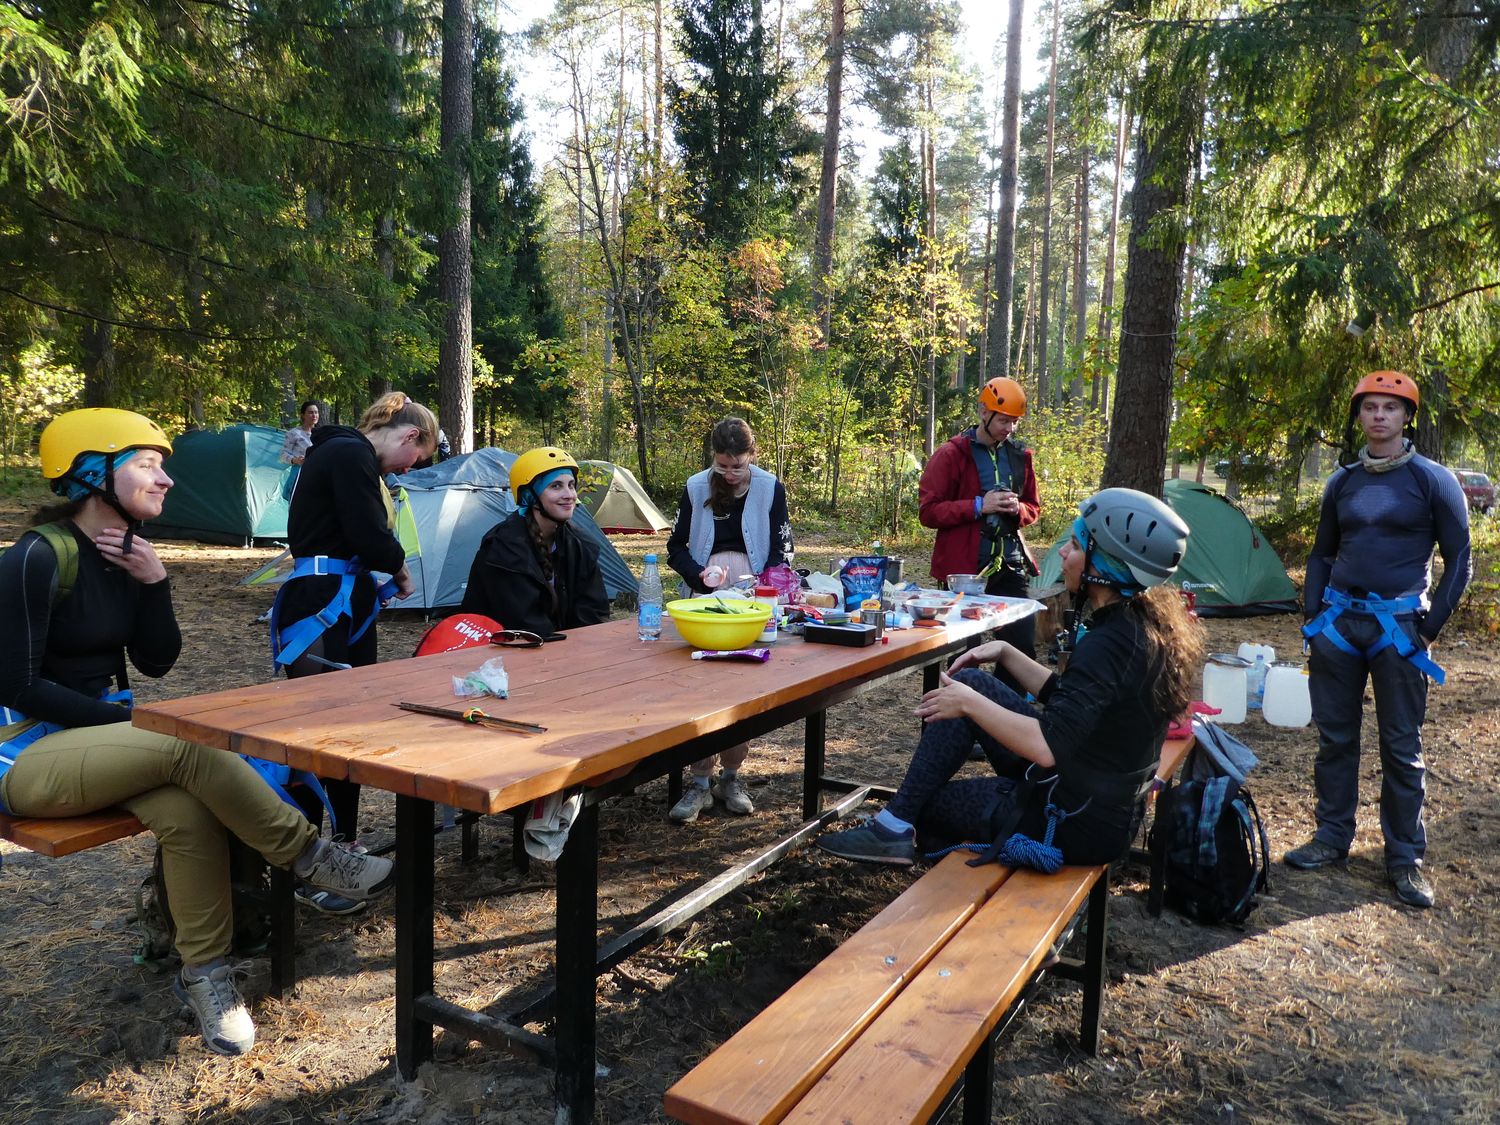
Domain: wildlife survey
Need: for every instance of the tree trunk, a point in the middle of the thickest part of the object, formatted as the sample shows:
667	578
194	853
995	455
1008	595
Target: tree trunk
1043	389
1081	277
828	184
385	226
1107	292
1153	291
100	386
1005	227
929	190
455	254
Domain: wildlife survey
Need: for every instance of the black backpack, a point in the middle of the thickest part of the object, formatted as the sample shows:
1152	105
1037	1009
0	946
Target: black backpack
1217	855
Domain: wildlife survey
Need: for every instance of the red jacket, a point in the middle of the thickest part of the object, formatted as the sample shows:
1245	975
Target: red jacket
945	501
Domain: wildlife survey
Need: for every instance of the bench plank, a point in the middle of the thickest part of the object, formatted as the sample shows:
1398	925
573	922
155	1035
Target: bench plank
759	1074
57	837
907	1060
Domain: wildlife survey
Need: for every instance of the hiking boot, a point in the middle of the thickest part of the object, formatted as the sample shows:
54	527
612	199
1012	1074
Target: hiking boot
327	902
345	872
1412	886
1314	854
730	789
695	798
221	1012
867	844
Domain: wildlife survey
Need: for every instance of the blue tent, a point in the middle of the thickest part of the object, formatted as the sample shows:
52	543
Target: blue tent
454	503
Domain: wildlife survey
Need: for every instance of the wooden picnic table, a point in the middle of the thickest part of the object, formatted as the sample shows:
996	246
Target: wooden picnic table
618	712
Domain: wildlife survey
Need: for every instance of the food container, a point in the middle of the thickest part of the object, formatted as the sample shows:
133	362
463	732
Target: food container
871	613
712	623
768	596
1224	683
1287	703
928	609
966	583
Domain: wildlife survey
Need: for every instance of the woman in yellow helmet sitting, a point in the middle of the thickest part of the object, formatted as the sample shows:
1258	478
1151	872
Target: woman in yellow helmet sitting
532	571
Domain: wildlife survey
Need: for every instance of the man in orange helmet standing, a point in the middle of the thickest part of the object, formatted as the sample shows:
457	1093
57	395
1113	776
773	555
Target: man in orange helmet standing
978	490
1371	618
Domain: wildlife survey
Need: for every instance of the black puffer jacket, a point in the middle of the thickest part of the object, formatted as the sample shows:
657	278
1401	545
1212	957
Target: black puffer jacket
507	584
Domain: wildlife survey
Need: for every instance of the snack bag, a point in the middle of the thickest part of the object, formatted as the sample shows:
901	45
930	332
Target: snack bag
863	577
785	579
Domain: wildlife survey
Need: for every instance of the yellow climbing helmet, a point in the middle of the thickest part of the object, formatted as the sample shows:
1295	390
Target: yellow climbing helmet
534	462
96	430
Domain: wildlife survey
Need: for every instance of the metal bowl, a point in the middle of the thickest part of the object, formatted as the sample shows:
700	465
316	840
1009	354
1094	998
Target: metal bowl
966	583
928	609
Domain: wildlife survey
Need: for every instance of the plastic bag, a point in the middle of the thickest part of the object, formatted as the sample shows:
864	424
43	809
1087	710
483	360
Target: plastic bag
863	577
786	581
488	679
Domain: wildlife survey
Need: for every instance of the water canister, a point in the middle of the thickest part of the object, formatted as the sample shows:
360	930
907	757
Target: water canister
1287	702
1224	686
1248	651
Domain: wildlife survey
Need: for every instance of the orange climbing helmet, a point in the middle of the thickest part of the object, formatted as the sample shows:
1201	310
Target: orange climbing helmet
1003	396
1393	383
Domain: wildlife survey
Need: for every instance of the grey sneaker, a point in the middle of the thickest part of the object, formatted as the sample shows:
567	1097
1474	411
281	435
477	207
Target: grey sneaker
731	791
1412	886
1314	854
340	869
327	902
866	845
695	798
221	1012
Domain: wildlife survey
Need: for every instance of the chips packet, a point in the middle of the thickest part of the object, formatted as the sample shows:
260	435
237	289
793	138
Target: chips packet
863	577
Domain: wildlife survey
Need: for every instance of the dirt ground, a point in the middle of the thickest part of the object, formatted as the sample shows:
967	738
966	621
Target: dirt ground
1332	1003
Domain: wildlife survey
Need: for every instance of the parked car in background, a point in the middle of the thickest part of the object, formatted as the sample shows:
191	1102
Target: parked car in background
1478	488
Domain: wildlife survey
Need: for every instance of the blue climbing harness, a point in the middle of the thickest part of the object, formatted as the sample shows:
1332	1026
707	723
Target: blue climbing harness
11	748
1384	611
289	644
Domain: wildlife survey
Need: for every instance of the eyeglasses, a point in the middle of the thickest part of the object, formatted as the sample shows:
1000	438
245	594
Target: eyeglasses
516	638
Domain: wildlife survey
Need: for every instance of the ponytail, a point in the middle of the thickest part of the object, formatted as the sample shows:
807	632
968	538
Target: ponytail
395	409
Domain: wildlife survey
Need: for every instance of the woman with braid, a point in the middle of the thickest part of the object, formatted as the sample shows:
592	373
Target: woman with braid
532	571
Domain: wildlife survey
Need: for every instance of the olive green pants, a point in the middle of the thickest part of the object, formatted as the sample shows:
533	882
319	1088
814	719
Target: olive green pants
191	798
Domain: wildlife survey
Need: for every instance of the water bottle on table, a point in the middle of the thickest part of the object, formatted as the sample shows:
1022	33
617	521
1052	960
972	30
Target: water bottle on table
648	603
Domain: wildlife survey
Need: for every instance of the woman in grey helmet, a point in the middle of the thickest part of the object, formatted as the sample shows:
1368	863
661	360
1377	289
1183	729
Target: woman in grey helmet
1080	762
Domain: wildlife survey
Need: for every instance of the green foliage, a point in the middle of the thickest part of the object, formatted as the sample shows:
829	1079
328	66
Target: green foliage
1067	447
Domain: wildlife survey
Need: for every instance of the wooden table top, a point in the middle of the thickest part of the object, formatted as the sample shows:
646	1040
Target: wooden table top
607	700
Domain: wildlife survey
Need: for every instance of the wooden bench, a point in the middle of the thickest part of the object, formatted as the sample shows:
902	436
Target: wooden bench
883	1028
62	836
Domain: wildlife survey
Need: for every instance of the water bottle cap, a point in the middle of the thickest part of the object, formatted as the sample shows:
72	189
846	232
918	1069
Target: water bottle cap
650	558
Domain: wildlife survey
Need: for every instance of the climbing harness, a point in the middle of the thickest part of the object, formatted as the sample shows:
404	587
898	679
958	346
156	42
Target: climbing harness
1384	611
11	748
288	644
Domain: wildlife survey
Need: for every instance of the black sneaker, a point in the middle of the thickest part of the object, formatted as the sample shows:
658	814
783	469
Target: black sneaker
327	902
1412	887
867	845
1314	854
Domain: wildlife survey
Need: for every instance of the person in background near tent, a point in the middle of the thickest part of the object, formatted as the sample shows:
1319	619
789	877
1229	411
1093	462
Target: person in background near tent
339	529
294	448
731	520
1369	617
1073	773
532	570
78	593
978	490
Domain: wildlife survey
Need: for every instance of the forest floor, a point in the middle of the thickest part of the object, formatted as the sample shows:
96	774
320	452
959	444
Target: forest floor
1332	1003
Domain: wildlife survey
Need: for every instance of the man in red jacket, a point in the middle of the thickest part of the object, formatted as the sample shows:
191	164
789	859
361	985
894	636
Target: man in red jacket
978	490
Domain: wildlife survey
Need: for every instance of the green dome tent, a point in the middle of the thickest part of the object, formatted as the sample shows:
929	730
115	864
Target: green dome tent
617	501
226	487
1229	565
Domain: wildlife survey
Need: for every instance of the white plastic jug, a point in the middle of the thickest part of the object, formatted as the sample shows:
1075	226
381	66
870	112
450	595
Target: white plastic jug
1287	702
1224	686
1248	651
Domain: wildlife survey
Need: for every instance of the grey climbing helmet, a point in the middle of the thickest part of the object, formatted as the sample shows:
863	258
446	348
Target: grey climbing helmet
1137	530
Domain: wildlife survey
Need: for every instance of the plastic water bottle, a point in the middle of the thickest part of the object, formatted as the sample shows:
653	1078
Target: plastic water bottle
648	602
1255	683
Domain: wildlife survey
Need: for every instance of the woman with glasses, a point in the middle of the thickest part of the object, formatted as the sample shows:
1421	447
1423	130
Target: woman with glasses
731	521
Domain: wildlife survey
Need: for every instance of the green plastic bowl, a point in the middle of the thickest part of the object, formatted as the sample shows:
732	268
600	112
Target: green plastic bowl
731	623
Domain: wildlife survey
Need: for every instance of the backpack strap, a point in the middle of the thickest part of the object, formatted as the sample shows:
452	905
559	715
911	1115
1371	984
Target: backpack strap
65	547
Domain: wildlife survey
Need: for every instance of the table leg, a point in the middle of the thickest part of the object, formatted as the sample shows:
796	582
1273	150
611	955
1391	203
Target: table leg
415	871
930	677
577	950
814	741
